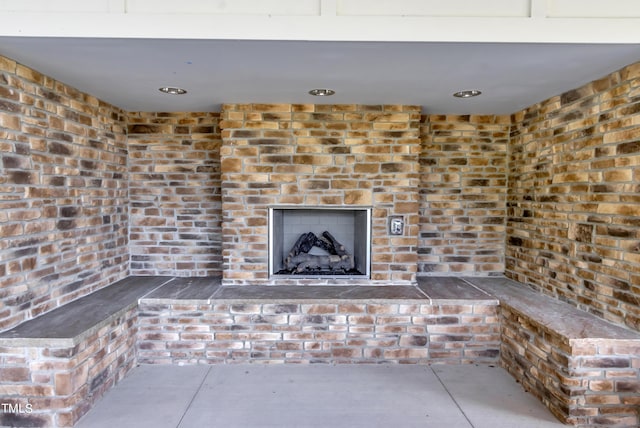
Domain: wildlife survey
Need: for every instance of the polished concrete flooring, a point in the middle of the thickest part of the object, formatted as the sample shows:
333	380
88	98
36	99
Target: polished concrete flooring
246	396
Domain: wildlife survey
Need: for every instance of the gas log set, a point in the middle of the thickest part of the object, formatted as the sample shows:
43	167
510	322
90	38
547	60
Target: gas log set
336	261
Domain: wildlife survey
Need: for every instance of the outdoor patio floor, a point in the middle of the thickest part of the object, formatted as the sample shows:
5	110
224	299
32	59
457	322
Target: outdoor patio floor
251	395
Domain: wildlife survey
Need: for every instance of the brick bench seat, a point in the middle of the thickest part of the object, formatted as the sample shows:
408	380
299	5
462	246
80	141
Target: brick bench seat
583	368
320	324
61	362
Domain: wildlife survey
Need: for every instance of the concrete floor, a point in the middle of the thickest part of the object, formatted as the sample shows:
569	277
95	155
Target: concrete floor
245	396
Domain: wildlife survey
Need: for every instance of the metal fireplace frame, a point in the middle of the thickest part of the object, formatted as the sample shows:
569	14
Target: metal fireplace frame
362	250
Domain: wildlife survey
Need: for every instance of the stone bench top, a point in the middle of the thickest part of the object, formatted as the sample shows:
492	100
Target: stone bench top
429	290
453	289
187	289
556	316
325	293
69	324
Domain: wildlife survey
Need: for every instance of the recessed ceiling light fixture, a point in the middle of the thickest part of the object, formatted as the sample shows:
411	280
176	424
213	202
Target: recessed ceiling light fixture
172	90
320	92
467	94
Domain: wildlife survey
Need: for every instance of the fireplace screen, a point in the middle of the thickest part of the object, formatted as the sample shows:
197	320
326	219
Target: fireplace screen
319	242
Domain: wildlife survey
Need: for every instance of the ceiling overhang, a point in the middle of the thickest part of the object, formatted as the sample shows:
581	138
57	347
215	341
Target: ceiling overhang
517	52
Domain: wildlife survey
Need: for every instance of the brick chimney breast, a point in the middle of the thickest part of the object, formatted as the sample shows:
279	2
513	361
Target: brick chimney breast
319	156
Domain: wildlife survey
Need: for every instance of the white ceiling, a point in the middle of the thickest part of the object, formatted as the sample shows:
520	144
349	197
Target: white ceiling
128	72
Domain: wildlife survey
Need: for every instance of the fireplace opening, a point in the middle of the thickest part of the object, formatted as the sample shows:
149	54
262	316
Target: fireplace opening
325	242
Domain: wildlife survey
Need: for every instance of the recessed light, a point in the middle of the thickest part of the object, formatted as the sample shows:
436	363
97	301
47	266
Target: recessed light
172	90
467	94
319	92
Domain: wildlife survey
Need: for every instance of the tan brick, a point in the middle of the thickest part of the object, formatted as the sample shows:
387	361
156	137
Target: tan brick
319	309
361	319
7	64
601	385
352	308
357	197
382	309
408	354
602	399
232	165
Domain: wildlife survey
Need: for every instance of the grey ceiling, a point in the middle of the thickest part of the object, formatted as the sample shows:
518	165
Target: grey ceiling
128	72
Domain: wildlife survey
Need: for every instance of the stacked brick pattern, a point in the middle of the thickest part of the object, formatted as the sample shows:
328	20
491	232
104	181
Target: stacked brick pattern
463	188
61	382
63	194
584	382
338	332
319	155
574	172
174	190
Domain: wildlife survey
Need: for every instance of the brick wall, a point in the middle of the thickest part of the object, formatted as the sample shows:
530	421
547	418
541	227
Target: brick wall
573	227
319	155
63	193
349	331
174	189
463	188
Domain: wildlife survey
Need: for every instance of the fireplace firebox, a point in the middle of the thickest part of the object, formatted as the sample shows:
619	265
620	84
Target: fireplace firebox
319	242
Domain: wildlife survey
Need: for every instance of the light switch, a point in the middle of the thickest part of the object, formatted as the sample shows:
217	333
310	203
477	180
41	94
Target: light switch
396	225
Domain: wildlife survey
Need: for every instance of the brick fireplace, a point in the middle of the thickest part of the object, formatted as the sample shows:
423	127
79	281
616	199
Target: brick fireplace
320	242
322	156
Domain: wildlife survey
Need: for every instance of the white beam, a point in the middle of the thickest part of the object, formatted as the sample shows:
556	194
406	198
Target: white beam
322	27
